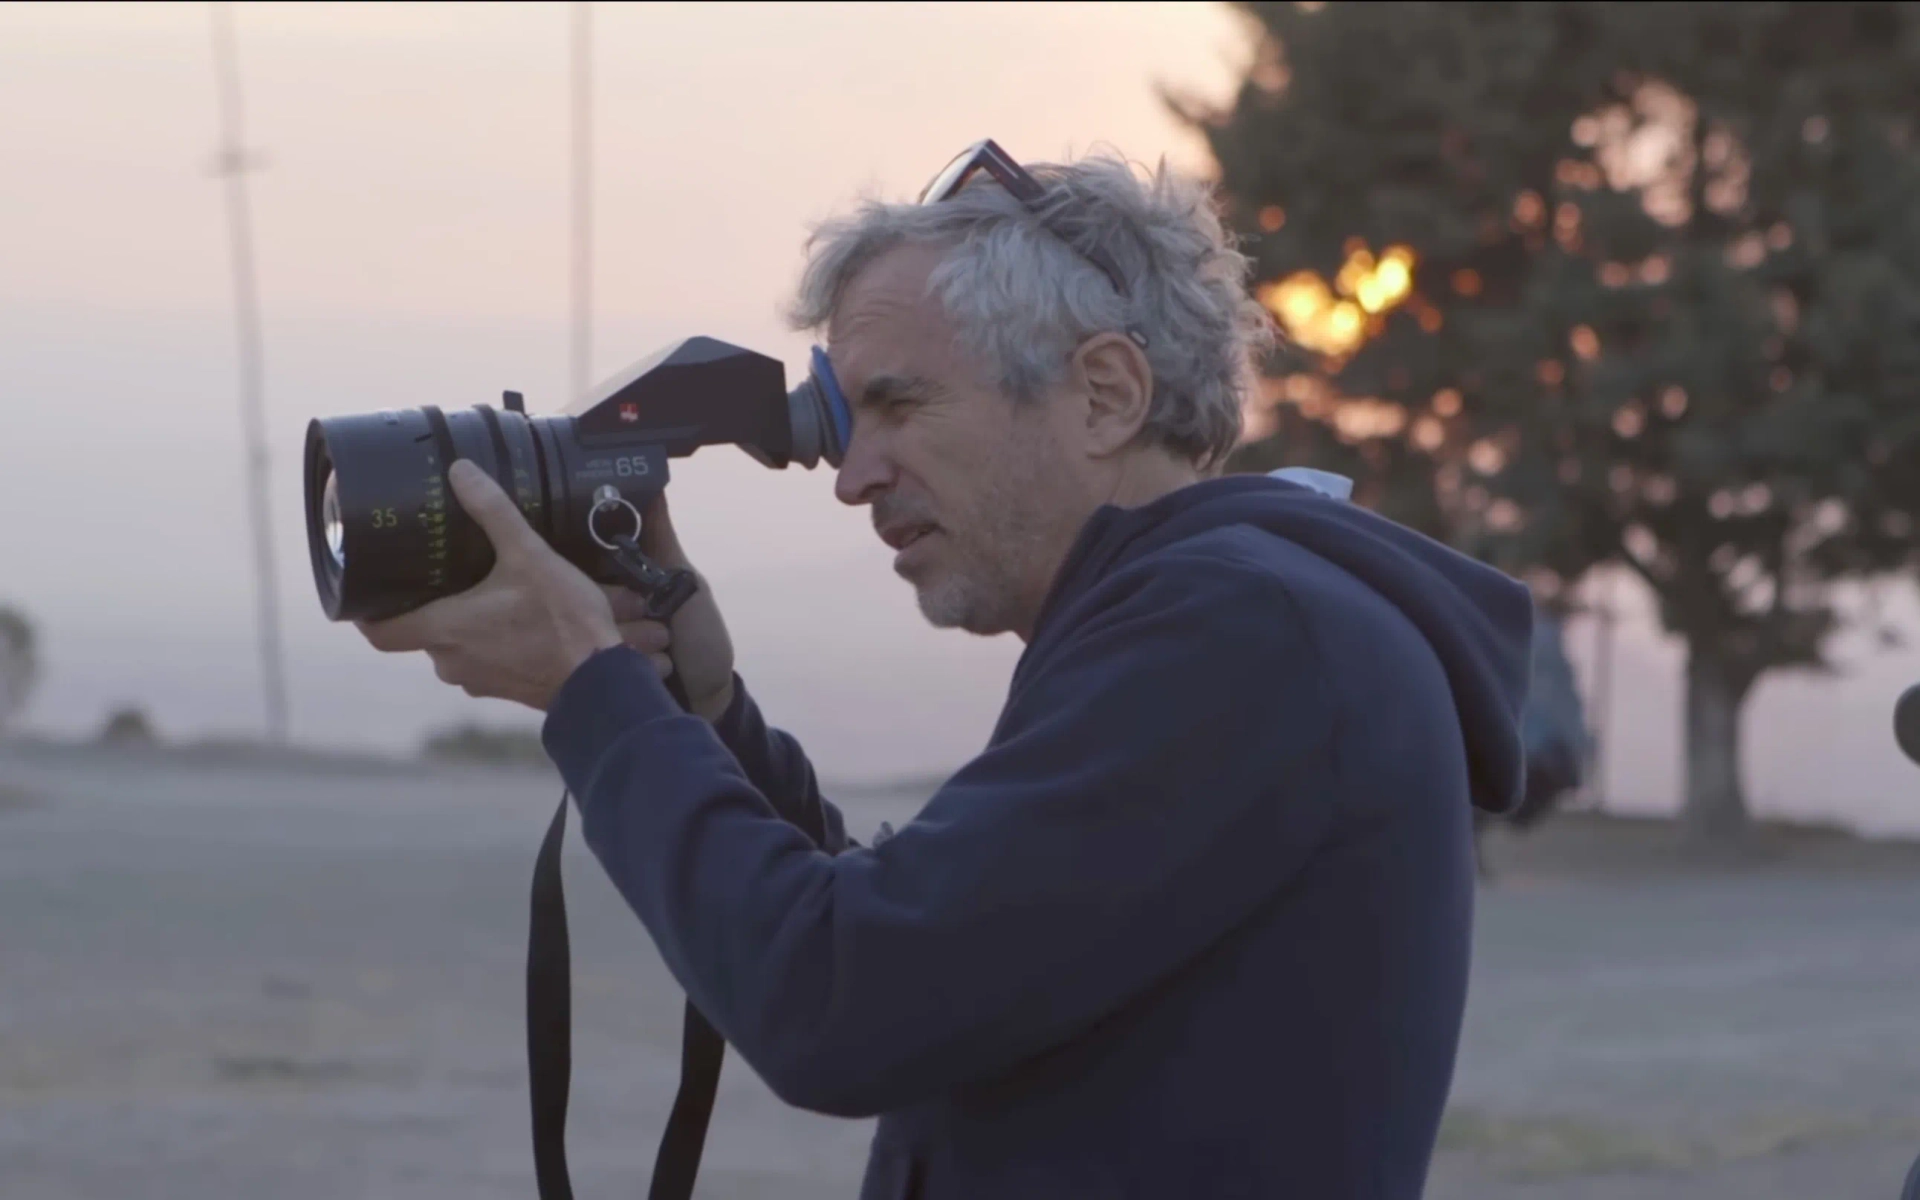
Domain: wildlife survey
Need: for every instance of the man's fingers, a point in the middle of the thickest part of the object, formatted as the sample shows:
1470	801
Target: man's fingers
663	663
657	538
409	631
648	637
493	510
436	624
446	665
627	604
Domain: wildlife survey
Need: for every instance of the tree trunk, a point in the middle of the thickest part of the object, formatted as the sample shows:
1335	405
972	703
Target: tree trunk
1715	816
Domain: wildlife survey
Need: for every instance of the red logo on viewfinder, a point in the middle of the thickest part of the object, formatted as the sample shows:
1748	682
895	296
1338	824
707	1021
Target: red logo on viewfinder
629	412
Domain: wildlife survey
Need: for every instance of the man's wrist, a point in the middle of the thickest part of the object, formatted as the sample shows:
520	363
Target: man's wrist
582	643
604	699
712	707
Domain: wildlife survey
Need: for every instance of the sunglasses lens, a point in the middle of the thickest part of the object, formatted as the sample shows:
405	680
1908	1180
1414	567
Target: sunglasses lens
953	175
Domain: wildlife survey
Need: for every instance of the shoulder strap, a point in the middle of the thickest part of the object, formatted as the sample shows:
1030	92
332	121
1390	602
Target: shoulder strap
550	1048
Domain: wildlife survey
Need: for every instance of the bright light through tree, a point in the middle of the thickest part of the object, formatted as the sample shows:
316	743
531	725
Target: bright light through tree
1335	321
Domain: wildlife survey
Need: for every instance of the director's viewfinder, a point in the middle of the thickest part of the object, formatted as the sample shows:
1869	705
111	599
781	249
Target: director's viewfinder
385	536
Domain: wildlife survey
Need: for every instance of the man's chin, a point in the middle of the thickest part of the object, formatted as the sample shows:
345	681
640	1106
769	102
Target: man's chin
951	604
944	604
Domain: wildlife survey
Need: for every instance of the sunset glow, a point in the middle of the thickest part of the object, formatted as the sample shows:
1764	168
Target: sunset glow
1336	320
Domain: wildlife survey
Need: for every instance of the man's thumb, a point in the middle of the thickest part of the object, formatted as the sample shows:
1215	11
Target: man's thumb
491	509
657	538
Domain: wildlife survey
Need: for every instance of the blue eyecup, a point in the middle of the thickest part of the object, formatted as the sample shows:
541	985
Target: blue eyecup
836	399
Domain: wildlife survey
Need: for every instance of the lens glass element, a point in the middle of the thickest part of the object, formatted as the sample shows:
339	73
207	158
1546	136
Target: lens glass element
330	520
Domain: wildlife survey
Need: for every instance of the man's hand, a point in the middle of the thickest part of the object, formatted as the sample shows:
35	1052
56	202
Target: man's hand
701	650
520	632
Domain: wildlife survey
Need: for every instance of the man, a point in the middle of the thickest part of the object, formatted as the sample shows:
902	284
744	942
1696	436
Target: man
1196	922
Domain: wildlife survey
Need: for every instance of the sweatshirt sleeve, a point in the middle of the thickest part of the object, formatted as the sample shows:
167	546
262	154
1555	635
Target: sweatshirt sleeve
775	765
1167	770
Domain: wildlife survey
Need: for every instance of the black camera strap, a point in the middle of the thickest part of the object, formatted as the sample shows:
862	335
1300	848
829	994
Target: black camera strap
550	1014
550	1048
550	982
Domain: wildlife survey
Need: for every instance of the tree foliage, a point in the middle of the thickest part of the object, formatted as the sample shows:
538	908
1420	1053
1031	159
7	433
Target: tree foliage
19	662
128	725
1665	304
474	743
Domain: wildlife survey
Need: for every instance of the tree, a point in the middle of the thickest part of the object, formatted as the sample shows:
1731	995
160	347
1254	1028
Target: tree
128	725
475	743
19	662
1631	284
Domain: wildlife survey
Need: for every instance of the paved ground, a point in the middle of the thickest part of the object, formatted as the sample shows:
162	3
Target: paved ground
225	980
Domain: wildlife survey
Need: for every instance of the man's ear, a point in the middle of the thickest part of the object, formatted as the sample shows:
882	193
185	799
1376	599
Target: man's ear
1119	390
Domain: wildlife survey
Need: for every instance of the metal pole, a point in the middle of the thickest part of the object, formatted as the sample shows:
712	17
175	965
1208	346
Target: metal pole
233	164
582	196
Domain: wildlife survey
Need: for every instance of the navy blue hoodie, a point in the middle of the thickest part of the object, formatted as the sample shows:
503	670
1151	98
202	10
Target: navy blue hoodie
1195	923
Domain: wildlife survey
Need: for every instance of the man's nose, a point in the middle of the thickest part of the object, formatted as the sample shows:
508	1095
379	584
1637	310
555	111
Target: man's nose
865	472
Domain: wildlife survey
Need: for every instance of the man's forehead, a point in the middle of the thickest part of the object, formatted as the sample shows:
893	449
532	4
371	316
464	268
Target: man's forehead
886	320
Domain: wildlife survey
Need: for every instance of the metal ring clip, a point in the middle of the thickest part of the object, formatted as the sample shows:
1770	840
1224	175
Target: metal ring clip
604	497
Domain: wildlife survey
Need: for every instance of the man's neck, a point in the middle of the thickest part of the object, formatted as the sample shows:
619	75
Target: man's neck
1149	475
1144	478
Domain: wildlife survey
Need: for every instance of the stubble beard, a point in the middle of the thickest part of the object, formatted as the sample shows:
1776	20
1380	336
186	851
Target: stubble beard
985	584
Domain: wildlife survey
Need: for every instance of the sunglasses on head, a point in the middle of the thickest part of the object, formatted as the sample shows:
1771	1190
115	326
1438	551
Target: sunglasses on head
984	155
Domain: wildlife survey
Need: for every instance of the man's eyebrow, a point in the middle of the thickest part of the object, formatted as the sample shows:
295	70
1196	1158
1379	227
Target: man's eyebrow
882	389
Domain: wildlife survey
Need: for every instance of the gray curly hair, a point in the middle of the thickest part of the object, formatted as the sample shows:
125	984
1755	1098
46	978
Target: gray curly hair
1022	298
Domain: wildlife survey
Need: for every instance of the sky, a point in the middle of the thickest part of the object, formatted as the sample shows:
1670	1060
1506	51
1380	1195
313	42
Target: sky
412	237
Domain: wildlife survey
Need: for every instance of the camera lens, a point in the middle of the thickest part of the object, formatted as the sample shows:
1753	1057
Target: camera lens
384	530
